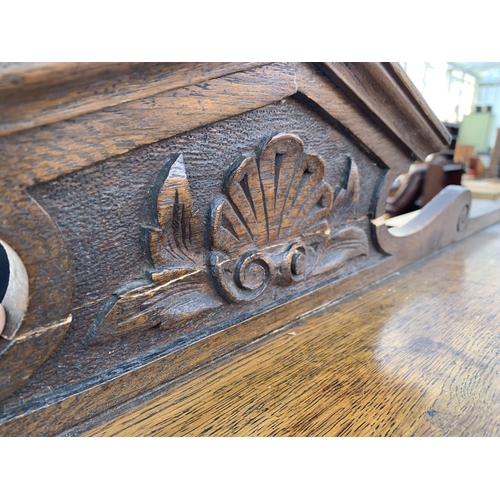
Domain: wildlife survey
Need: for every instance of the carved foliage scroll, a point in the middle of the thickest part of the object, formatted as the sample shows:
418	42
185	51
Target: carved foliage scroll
268	227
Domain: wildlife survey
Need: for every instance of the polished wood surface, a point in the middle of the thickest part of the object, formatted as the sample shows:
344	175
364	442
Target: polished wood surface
164	218
35	94
417	354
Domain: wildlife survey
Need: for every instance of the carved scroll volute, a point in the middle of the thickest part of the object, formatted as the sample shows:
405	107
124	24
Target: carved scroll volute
270	225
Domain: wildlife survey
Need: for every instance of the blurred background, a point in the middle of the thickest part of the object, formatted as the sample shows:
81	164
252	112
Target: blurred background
457	90
465	97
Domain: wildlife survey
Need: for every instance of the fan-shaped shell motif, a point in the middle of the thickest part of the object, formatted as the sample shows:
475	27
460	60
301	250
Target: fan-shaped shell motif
268	226
273	201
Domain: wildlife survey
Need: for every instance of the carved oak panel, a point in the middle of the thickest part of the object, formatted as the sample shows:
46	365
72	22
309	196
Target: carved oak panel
147	260
269	227
181	238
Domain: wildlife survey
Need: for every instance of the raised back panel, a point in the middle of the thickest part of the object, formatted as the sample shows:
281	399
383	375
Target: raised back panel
103	211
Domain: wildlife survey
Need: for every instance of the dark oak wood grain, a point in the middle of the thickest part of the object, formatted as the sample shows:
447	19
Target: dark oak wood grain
44	153
416	355
168	214
35	94
269	227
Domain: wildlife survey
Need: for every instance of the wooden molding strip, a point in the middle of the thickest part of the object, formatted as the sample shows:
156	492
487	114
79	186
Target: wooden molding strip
43	154
37	94
389	96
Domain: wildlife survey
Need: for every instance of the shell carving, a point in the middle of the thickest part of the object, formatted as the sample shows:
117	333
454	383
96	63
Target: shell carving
270	225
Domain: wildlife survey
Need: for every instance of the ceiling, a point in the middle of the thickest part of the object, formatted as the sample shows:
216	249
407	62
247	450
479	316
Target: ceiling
486	73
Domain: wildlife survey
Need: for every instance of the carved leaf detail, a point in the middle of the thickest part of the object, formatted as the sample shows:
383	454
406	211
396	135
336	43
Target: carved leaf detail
346	195
271	224
343	245
178	289
175	236
178	297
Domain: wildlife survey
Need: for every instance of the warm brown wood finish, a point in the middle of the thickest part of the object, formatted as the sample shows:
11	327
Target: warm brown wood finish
34	94
42	154
269	228
169	214
387	94
415	355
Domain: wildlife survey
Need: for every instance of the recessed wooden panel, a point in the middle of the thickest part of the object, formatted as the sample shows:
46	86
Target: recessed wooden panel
103	210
